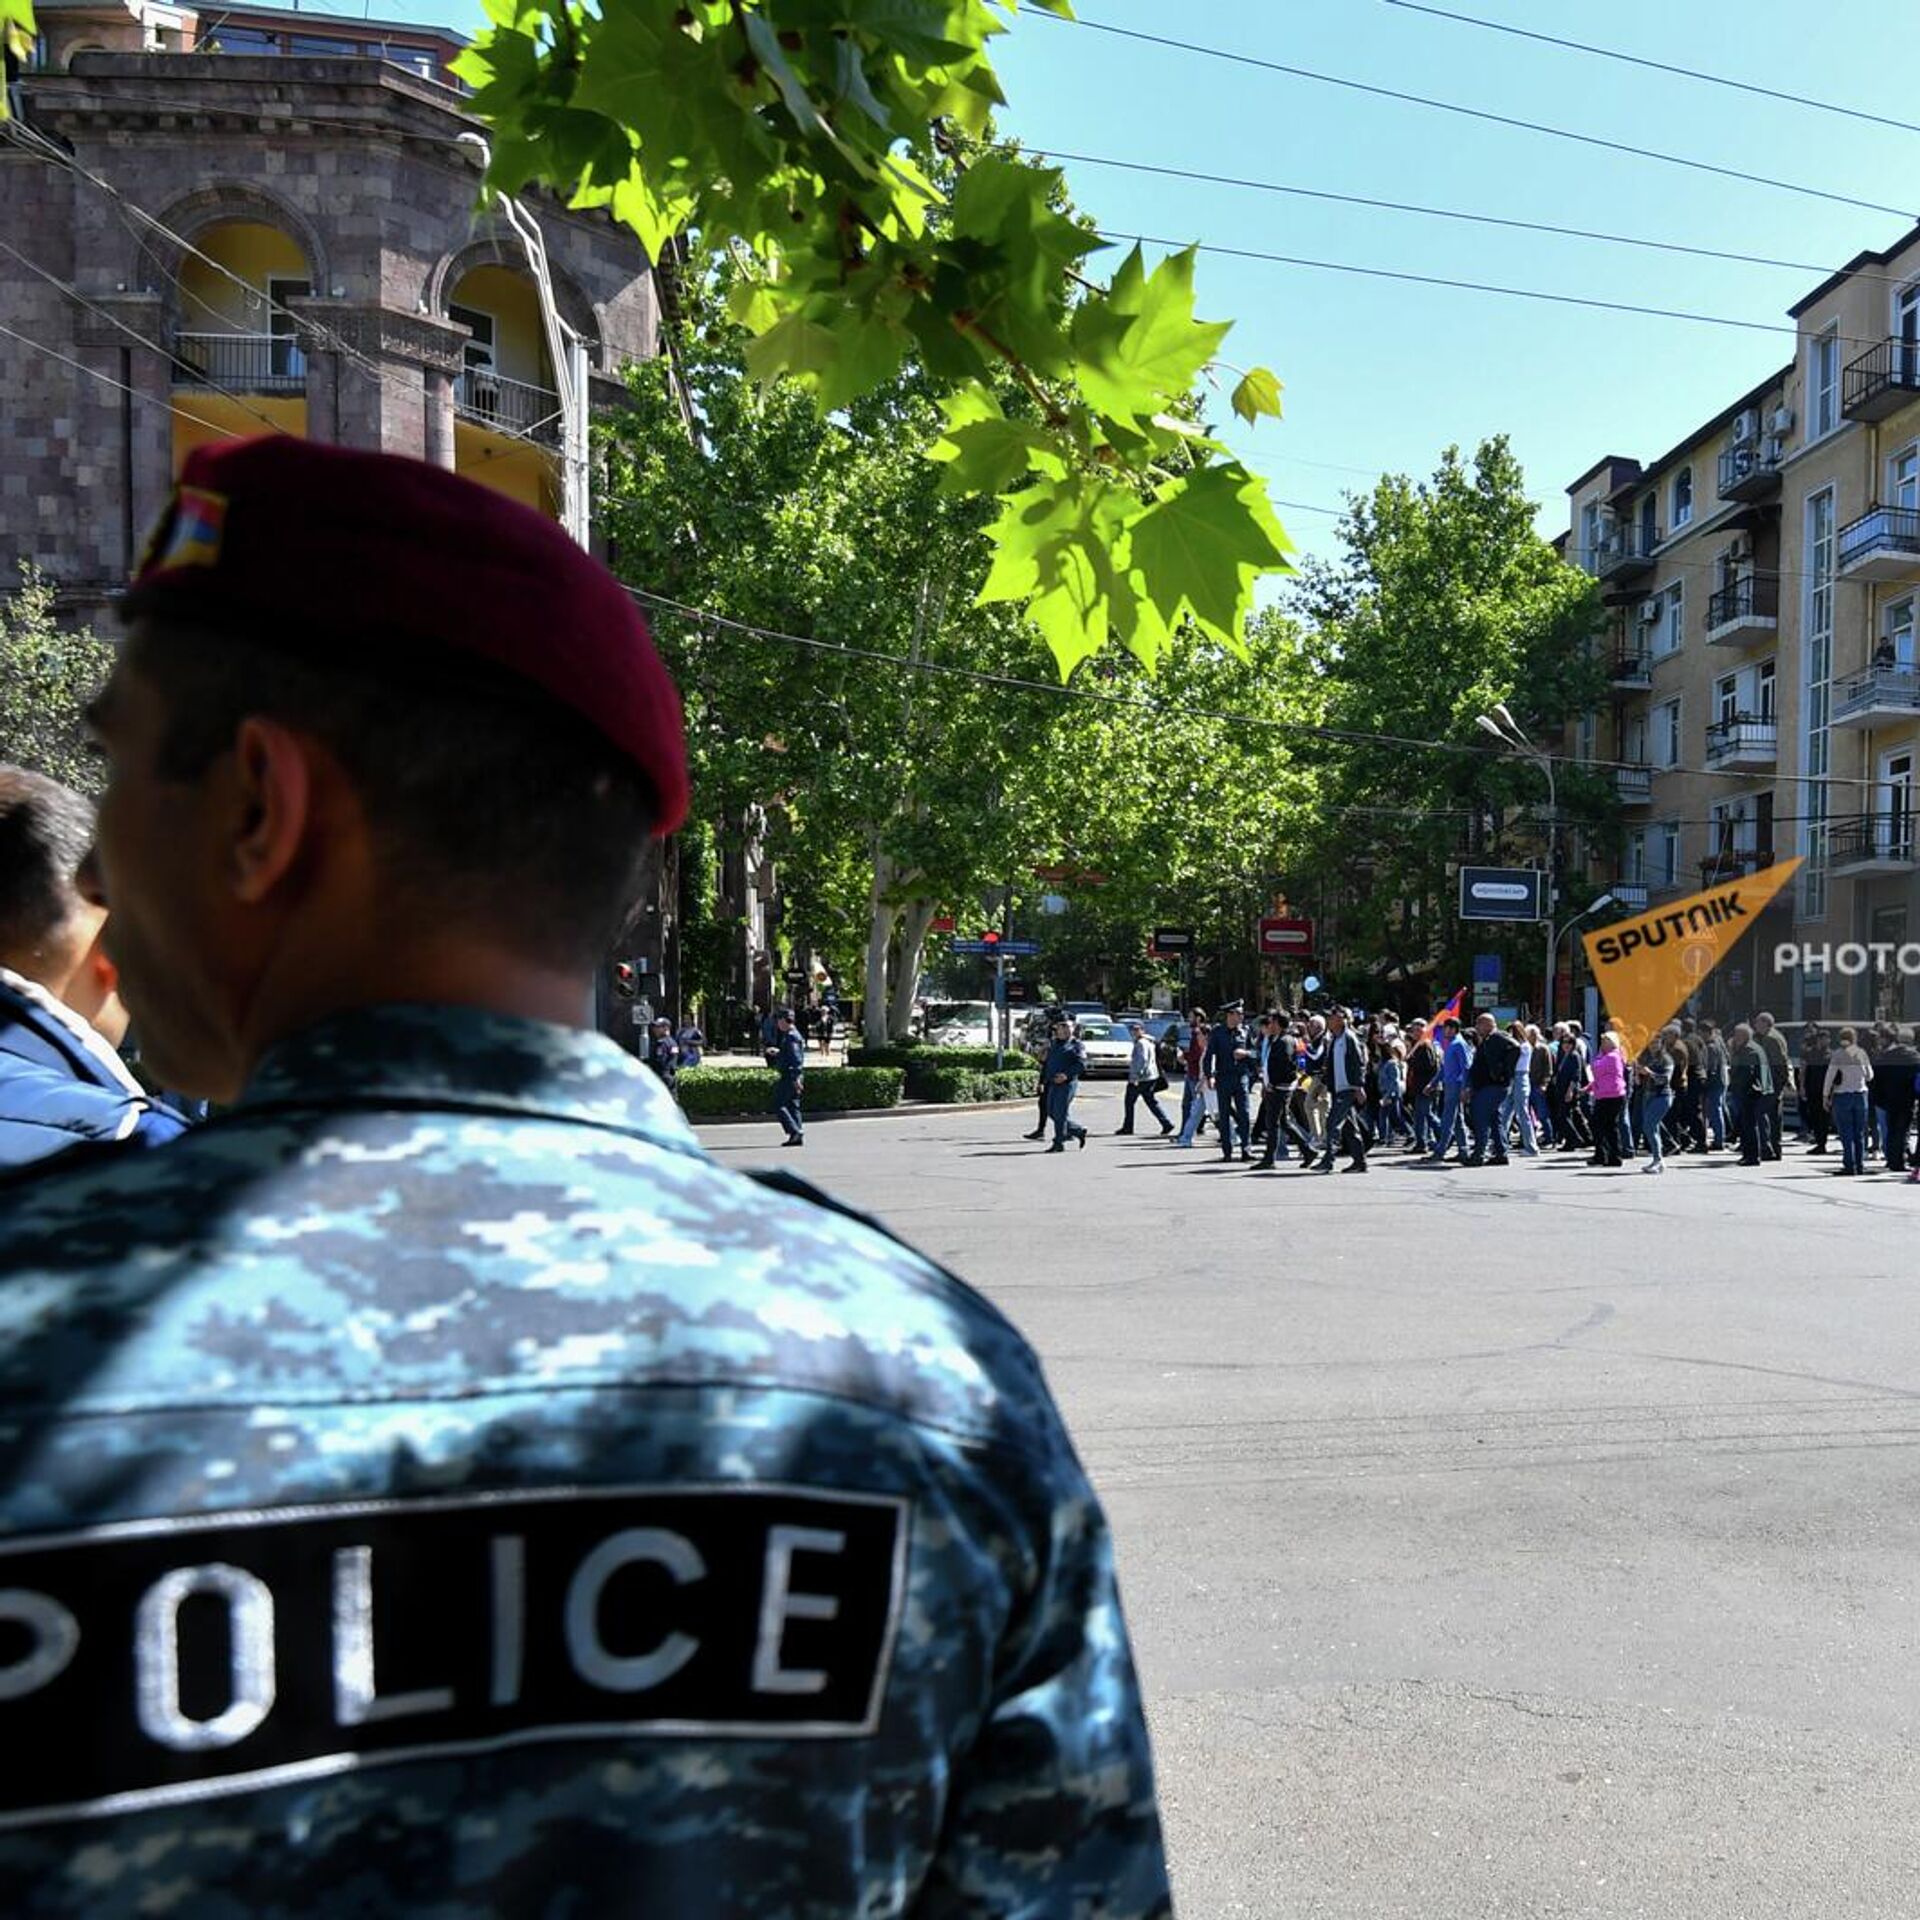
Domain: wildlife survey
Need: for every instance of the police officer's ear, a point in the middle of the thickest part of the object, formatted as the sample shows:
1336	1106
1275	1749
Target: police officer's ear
269	794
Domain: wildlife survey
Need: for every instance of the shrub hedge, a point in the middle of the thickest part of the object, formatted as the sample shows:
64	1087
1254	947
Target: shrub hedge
710	1092
921	1065
952	1086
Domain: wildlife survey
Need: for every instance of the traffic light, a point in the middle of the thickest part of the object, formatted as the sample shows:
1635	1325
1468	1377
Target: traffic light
991	938
626	982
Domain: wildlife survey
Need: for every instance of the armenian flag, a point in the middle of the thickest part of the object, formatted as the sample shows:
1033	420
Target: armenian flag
192	539
1451	1011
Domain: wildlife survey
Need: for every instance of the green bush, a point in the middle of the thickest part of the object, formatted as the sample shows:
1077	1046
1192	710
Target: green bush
955	1086
921	1064
709	1092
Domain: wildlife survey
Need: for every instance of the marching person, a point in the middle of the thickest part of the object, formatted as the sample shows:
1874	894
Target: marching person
1456	1067
788	1058
1750	1086
1423	1076
1226	1070
1609	1101
1773	1043
1066	1062
1346	1078
1279	1079
1489	1086
1144	1080
436	1485
1054	1015
1849	1075
61	1020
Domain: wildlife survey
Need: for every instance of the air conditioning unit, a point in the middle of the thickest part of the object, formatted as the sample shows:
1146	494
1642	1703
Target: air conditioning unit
1649	613
1773	449
1741	549
1780	420
1746	423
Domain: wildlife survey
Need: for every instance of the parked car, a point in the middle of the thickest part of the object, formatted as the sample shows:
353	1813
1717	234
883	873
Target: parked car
959	1023
1108	1047
1088	1010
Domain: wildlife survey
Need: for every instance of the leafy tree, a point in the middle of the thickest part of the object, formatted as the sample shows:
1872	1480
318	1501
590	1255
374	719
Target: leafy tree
841	150
1446	602
47	676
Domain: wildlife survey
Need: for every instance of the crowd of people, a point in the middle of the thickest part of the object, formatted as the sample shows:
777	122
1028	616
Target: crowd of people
1322	1086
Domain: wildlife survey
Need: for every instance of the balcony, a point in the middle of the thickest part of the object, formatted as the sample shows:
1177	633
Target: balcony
1880	697
1871	843
1751	471
1632	895
1881	381
1630	672
240	362
1881	545
1633	786
1625	553
1743	744
1734	864
512	407
1745	611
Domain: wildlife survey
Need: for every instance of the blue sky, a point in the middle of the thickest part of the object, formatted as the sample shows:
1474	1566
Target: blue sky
1382	376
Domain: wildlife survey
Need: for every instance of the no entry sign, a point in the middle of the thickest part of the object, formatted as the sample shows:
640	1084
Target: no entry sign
1286	939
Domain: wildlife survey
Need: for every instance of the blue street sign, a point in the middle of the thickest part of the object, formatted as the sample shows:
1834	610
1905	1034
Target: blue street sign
973	946
1013	949
1019	949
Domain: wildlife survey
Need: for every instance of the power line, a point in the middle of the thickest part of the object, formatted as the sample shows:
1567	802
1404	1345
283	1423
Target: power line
1660	66
1480	113
133	333
107	379
1456	213
1484	286
986	676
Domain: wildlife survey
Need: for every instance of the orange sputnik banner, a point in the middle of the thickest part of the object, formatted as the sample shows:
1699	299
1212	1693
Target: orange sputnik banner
1646	968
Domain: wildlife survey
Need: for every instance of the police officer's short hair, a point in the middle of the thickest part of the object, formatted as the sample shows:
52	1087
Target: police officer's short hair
490	805
45	831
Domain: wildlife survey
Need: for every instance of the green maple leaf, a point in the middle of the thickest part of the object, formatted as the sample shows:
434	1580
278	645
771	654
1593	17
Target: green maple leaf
1140	346
1258	392
1204	541
793	345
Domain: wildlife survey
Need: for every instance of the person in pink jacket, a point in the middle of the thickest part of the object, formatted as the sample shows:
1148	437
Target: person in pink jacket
1609	1100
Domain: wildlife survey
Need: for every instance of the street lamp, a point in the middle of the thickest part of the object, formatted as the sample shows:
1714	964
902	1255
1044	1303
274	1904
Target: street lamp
1553	944
1504	728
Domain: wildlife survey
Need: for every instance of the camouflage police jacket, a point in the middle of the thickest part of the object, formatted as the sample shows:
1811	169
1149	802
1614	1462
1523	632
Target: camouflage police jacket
437	1488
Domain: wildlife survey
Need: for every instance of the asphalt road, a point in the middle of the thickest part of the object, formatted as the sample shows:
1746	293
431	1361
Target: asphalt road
1526	1541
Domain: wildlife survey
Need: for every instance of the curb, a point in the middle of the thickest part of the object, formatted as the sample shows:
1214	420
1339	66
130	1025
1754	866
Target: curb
907	1109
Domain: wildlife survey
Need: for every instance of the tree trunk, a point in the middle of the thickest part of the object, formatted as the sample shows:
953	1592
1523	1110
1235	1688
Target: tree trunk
883	914
915	918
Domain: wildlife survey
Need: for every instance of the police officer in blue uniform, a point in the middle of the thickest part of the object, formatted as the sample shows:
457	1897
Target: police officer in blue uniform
1060	1074
1226	1068
435	1486
788	1058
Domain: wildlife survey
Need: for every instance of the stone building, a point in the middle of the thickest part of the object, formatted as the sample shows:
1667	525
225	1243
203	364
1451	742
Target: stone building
253	220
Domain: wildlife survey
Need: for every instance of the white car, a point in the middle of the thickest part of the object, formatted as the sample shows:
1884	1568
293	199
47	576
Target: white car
960	1023
1109	1049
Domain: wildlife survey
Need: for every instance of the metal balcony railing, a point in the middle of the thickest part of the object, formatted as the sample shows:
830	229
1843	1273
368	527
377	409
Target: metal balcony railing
1750	471
1742	738
1883	380
1733	863
1885	533
1756	597
1627	549
1871	837
1631	669
240	362
514	407
1633	786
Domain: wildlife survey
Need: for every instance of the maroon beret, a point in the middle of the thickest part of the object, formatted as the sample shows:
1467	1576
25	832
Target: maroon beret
282	534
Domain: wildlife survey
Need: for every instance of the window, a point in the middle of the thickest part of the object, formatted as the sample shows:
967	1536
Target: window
1669	624
1588	736
478	352
1823	383
1633	740
1649	523
1816	756
1897	634
1903	478
1726	698
1666	853
1590	535
1636	873
1666	734
1765	685
285	359
1763	827
1682	498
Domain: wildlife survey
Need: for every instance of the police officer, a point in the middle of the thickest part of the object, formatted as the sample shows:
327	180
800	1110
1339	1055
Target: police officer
436	1485
1060	1074
788	1058
663	1054
1050	1020
1226	1068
